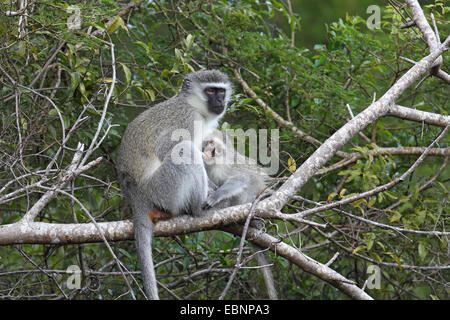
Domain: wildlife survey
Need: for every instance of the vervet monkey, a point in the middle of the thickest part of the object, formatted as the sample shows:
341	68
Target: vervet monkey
152	177
239	180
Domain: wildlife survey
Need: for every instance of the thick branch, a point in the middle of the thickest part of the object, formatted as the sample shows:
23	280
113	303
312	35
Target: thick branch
304	262
431	37
418	115
59	233
376	110
39	232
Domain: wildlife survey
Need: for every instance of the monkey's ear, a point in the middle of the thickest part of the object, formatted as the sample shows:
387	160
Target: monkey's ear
186	84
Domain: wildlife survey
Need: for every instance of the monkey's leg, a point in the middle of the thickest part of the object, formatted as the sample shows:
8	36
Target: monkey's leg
155	215
230	188
179	185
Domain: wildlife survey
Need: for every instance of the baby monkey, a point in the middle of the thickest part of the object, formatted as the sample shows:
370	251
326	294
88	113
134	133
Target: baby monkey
237	179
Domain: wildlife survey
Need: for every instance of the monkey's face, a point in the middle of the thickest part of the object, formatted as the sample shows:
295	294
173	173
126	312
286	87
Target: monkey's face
216	99
211	152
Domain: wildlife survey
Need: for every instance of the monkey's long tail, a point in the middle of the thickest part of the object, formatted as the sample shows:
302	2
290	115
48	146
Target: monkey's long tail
267	272
143	233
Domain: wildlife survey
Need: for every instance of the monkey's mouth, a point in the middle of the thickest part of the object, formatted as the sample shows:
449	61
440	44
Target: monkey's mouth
217	109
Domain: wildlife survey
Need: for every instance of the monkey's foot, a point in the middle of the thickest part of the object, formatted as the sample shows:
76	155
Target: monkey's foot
155	215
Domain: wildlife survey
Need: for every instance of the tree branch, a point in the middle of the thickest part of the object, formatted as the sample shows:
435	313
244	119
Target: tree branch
376	110
418	115
304	262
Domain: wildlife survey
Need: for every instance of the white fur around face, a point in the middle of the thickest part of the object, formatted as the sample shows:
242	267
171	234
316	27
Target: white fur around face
203	127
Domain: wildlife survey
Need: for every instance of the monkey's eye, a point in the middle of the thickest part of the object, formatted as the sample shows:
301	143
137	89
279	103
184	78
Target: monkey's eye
222	91
210	91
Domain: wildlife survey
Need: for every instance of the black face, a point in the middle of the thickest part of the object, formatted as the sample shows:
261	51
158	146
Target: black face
216	99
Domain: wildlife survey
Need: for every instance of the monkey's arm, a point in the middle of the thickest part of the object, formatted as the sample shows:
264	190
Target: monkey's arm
233	186
168	138
164	144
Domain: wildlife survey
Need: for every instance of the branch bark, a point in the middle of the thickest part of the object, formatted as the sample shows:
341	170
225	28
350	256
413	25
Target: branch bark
405	113
431	37
46	233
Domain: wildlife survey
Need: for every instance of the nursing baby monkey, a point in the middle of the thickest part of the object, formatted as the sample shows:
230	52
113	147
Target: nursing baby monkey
239	180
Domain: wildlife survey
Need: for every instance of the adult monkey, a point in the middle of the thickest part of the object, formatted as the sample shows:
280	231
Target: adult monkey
153	173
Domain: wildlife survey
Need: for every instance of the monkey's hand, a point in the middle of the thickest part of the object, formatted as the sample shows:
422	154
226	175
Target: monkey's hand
211	201
212	187
155	215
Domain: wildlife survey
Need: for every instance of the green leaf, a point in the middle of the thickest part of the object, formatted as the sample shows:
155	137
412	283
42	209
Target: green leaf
74	81
422	291
127	72
189	41
391	195
372	201
143	93
82	88
395	258
53	113
164	73
100	26
376	256
331	196
143	45
370	244
118	22
292	165
179	54
422	251
397	216
357	249
22	47
245	101
358	202
381	245
125	253
151	94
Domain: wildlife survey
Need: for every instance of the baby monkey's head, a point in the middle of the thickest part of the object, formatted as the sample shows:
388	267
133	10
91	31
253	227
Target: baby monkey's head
213	150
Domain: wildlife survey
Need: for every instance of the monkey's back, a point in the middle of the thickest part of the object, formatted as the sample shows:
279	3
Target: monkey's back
137	157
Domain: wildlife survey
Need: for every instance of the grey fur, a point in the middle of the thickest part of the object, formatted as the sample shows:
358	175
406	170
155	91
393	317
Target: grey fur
239	180
147	174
